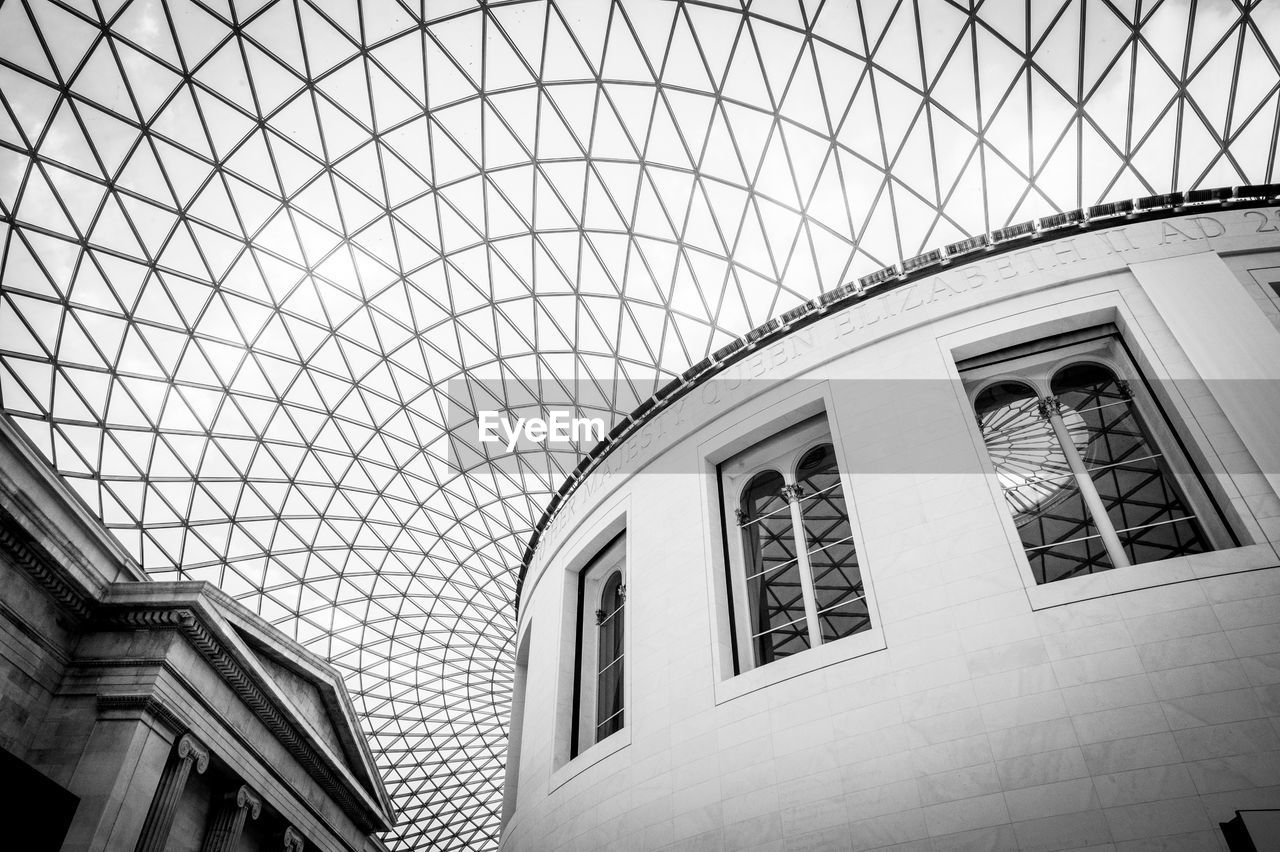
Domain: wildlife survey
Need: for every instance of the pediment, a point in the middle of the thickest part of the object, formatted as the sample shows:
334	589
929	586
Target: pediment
304	691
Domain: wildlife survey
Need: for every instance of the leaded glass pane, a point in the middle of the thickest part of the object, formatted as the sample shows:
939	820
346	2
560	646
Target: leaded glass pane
1039	488
1131	474
609	712
778	624
833	556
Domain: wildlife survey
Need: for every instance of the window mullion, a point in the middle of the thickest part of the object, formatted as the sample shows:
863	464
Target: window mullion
794	497
1088	491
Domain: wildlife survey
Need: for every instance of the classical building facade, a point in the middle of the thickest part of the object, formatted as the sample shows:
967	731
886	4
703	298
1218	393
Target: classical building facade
149	716
980	552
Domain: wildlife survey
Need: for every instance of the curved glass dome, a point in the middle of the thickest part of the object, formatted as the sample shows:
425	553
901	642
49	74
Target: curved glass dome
247	244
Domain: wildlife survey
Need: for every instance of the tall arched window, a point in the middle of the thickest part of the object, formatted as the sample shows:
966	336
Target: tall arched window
1042	491
599	683
795	561
609	618
1088	484
779	627
1132	477
839	597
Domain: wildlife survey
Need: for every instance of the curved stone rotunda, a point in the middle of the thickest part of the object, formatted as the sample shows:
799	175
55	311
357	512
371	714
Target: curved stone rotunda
248	245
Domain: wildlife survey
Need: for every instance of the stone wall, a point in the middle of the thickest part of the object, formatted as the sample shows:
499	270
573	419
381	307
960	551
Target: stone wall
1133	709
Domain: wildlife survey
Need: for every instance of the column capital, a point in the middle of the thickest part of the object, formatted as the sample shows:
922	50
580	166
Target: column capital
248	800
190	748
293	841
227	820
187	752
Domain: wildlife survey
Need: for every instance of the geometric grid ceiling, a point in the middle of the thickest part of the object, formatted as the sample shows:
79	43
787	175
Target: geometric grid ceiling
247	244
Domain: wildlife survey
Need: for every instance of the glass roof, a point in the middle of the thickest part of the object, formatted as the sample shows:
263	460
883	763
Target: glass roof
247	244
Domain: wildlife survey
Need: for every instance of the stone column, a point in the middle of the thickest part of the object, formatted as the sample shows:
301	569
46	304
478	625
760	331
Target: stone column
155	831
293	841
229	819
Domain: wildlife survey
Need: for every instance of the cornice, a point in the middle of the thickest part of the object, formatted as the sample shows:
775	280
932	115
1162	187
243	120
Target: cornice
141	703
191	623
39	564
29	486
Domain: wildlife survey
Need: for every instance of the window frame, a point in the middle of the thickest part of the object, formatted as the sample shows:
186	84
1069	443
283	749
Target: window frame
608	562
782	451
576	553
1039	366
1203	448
748	422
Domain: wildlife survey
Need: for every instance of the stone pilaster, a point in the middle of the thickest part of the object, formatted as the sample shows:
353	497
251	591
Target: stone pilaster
155	831
228	820
293	841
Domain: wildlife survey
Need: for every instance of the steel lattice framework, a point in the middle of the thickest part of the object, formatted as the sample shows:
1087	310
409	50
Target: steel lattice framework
246	244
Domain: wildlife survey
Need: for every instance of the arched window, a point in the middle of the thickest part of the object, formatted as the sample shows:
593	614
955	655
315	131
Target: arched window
839	597
609	619
1087	483
1040	487
599	683
1132	478
774	590
798	564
